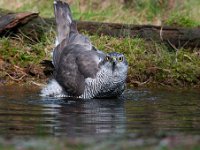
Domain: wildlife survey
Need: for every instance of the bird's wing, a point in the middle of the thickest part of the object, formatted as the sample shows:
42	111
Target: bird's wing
80	39
57	53
75	65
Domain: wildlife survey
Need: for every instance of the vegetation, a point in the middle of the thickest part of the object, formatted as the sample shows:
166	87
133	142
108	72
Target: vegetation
151	64
123	11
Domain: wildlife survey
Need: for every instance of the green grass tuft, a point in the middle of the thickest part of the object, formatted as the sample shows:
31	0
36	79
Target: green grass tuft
20	53
181	20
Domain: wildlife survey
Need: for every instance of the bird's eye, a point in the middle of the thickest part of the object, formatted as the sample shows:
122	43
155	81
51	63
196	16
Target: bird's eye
120	59
107	58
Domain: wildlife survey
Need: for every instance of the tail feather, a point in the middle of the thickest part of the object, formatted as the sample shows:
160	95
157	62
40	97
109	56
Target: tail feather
65	25
63	20
67	32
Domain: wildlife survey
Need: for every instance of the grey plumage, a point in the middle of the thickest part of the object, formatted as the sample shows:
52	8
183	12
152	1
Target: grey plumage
75	65
81	70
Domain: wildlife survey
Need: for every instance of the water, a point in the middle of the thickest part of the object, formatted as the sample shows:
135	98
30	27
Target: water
23	112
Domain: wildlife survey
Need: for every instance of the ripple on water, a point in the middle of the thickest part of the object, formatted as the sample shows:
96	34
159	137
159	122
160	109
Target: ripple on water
23	112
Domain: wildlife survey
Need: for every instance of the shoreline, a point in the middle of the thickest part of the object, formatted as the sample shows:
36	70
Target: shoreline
12	75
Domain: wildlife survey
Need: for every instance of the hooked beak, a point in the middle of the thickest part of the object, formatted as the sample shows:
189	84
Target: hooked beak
114	62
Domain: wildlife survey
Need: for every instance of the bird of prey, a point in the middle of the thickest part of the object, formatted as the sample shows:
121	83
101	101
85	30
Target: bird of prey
80	69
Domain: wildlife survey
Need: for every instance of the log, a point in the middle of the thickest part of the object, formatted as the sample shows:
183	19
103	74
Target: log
177	36
12	20
174	36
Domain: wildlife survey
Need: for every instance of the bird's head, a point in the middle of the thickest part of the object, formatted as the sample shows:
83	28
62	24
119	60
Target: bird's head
116	61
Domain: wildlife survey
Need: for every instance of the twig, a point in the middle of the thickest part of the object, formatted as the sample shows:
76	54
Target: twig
141	83
185	43
109	47
176	49
161	33
20	70
26	36
15	78
38	84
17	37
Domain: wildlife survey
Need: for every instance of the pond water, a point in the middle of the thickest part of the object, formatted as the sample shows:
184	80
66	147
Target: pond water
140	111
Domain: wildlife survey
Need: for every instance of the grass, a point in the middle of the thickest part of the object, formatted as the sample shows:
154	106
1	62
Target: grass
22	50
150	63
154	63
137	12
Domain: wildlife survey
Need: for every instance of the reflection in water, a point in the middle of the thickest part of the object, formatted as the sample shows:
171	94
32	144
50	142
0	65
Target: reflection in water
90	117
23	112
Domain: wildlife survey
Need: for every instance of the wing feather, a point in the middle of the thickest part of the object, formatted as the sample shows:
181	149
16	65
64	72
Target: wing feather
75	65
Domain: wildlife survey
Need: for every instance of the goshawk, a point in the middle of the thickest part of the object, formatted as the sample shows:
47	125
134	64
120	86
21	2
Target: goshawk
81	70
